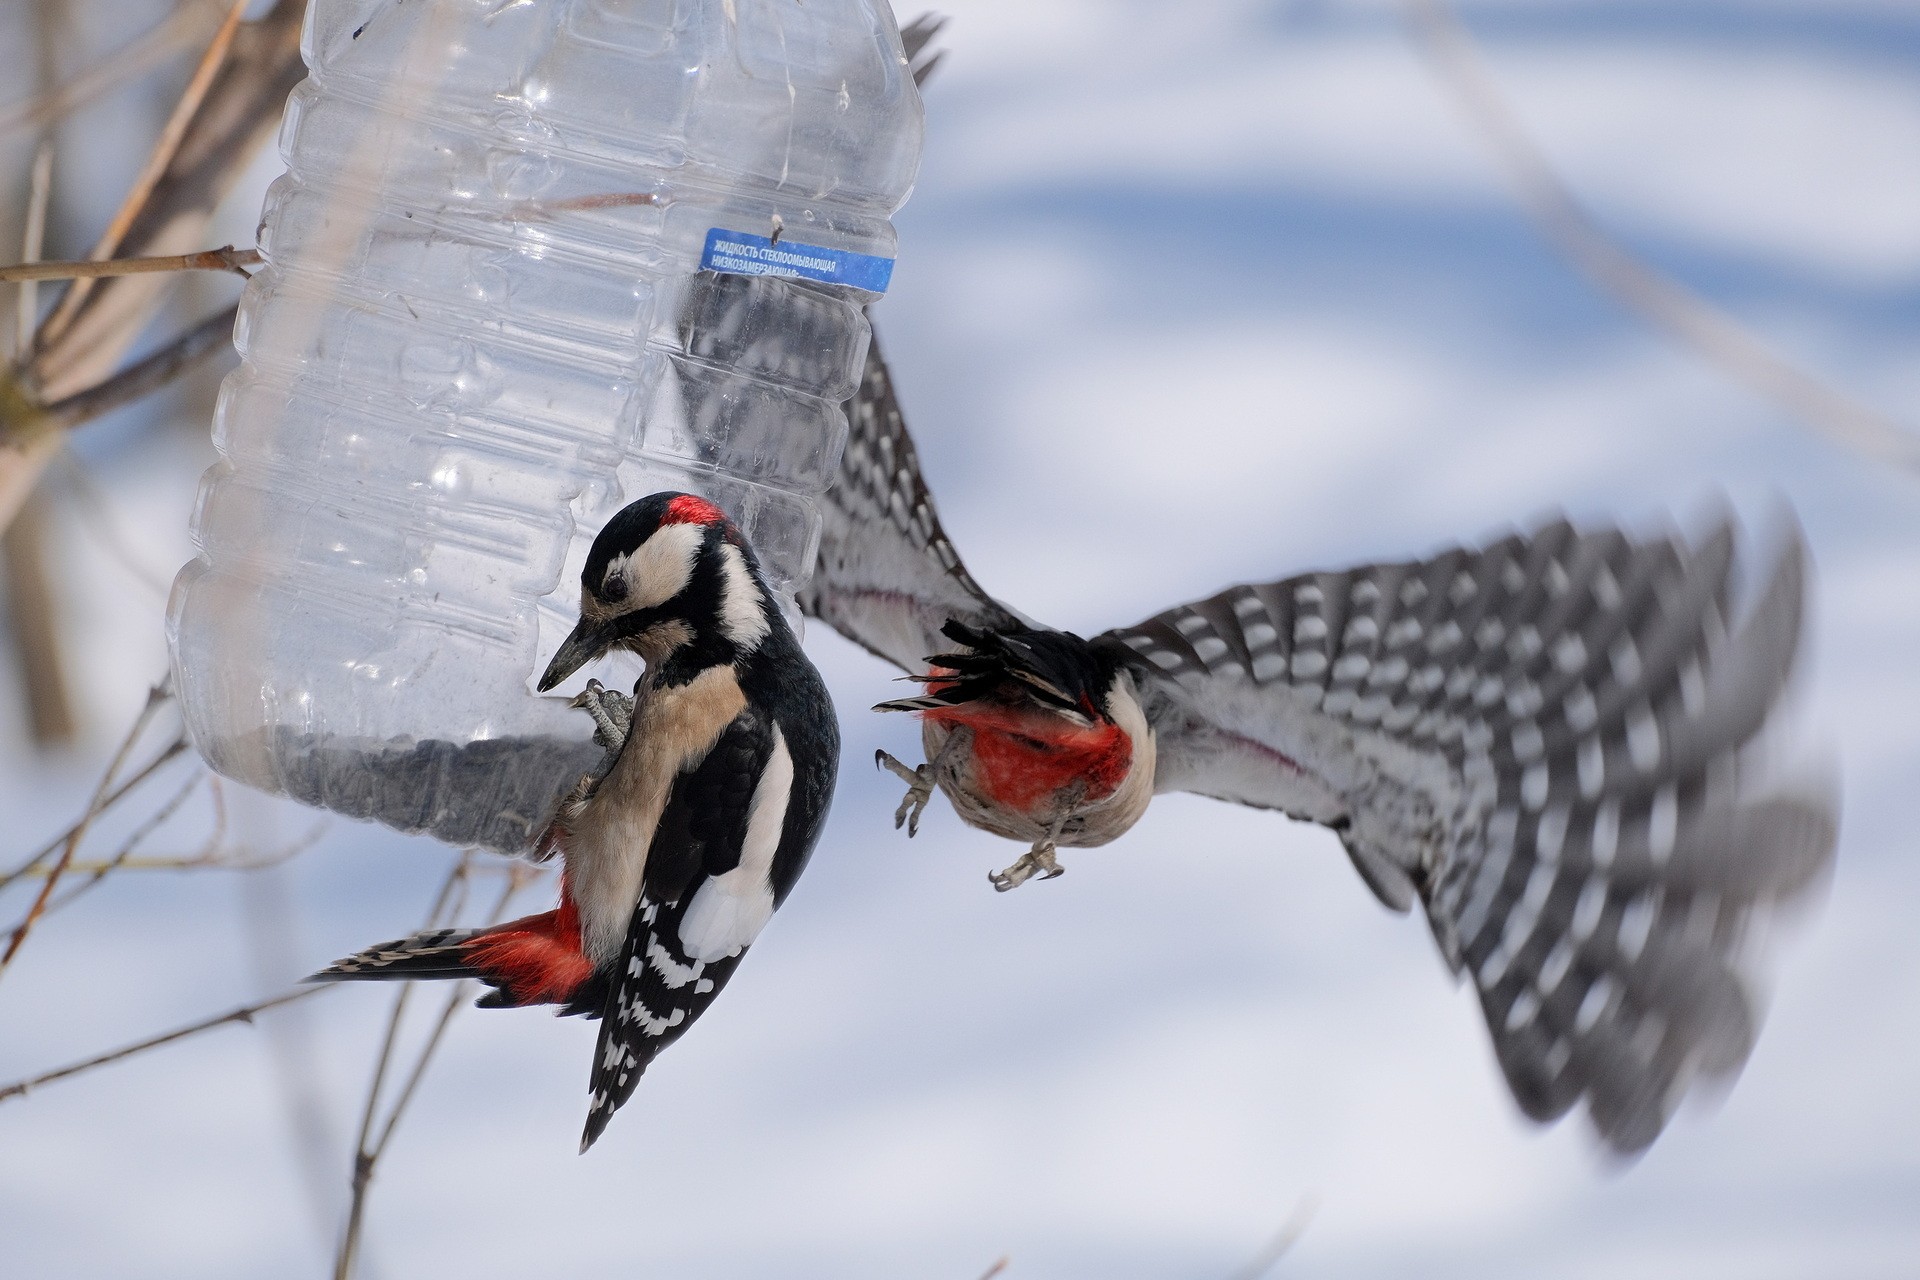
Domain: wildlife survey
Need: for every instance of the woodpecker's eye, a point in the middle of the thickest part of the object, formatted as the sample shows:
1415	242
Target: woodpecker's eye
614	589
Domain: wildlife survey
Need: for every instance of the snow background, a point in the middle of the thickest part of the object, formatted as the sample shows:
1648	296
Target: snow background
1187	295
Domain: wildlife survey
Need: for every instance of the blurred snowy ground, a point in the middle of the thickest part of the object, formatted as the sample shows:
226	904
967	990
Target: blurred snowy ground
1188	295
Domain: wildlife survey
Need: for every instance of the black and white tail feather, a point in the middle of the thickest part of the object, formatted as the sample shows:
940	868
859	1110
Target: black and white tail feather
1549	743
434	954
657	994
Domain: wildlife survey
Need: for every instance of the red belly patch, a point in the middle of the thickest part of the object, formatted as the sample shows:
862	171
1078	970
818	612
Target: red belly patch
537	960
1024	759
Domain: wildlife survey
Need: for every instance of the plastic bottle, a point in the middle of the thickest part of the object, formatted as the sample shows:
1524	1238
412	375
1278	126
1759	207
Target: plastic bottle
483	327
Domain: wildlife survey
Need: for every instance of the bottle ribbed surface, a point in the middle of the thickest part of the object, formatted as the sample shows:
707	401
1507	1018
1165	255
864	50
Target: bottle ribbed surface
481	329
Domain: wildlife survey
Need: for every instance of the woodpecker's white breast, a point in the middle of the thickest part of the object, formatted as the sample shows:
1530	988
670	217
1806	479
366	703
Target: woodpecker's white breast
607	842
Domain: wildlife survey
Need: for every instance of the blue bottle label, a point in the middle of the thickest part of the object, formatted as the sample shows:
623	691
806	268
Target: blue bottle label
737	253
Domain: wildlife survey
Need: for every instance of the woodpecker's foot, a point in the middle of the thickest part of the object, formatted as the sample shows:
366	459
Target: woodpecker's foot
919	791
1039	860
612	715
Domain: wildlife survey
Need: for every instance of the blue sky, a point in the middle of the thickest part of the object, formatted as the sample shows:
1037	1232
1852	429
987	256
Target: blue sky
1187	295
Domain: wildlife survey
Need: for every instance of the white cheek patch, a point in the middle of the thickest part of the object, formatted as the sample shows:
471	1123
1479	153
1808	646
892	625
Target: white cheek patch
658	569
743	611
728	911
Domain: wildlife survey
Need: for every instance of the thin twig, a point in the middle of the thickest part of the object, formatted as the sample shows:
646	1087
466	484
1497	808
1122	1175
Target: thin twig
996	1268
367	1155
225	258
29	867
156	696
101	870
517	879
185	26
204	860
363	1157
213	334
528	210
156	168
245	1013
235	117
1283	1241
33	620
39	192
1665	303
275	944
189	861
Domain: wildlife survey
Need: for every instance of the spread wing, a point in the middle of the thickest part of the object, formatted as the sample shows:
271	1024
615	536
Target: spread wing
887	578
1542	740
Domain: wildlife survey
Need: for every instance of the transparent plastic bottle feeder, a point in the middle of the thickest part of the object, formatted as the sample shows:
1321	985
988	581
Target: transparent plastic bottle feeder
529	262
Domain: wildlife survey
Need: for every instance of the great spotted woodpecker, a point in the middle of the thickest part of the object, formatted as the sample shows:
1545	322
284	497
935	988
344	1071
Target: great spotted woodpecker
1544	741
676	853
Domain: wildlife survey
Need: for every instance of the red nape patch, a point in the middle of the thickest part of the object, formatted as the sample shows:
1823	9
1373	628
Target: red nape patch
687	509
1024	759
536	960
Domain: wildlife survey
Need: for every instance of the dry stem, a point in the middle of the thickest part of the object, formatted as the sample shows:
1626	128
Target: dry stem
367	1153
185	26
153	766
213	334
156	167
39	193
1666	304
156	696
225	258
245	1013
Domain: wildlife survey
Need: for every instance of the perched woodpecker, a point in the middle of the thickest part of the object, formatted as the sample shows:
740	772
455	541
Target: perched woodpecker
1545	741
677	852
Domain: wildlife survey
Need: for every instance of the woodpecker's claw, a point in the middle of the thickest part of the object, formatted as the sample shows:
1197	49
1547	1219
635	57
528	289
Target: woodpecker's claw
612	715
919	791
1039	860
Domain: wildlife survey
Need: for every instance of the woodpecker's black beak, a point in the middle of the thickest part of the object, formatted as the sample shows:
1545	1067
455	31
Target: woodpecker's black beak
585	643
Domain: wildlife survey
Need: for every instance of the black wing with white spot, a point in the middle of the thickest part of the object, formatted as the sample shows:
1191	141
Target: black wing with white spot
887	578
658	993
1543	741
660	988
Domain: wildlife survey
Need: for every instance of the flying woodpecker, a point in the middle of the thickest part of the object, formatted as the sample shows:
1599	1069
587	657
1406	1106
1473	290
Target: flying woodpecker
719	772
1544	741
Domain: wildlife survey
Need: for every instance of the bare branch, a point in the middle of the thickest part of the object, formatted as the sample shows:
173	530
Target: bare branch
98	871
156	167
225	258
1664	303
20	1088
39	193
156	696
27	868
367	1154
528	210
236	116
214	334
184	27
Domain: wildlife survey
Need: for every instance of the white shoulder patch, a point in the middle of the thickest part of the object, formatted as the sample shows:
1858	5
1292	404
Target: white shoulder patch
728	911
743	609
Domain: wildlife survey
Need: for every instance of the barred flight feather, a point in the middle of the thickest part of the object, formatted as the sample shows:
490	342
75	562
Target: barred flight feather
1589	848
